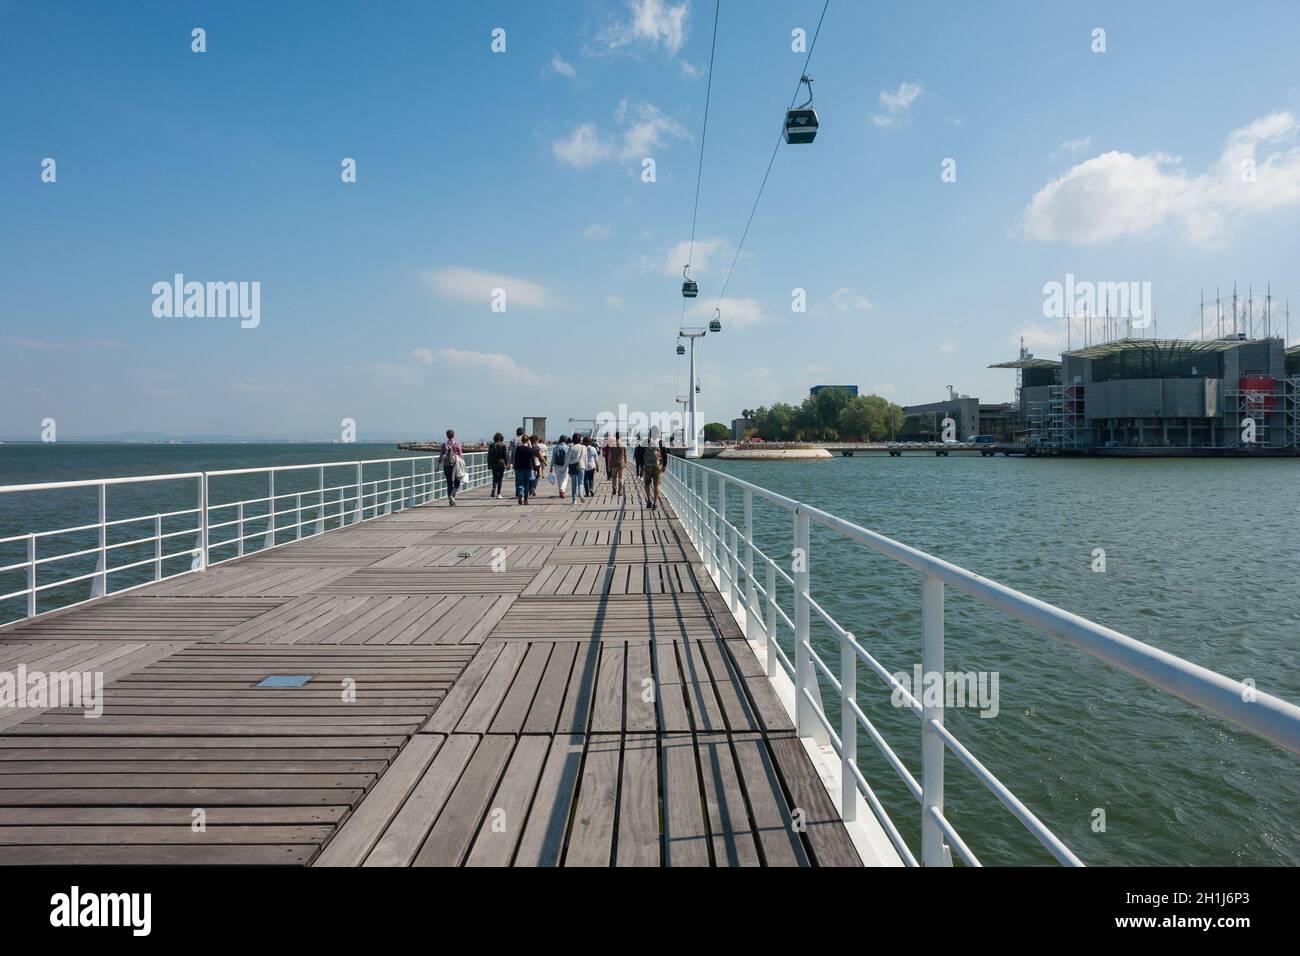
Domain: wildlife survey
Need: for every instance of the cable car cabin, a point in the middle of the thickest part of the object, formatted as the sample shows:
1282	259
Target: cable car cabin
714	324
800	125
681	349
690	289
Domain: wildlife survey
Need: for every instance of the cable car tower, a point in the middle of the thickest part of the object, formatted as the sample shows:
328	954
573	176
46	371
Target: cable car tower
693	428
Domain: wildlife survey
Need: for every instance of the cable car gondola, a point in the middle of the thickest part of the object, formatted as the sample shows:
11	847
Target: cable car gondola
715	323
801	122
690	288
681	349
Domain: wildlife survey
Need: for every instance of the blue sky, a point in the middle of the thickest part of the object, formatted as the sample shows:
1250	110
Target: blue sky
522	170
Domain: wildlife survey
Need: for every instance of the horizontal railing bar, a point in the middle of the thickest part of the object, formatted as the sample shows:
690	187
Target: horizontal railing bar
1008	799
96	482
886	751
1264	714
962	849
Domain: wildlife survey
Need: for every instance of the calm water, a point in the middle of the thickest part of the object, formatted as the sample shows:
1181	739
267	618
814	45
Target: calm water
1203	560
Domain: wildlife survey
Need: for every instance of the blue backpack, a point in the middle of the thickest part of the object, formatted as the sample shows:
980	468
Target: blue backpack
561	455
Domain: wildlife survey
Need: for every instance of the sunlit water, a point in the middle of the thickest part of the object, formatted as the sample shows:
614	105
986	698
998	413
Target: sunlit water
1202	560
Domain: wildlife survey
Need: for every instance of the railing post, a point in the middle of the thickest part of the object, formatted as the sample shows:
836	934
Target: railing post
933	851
848	729
31	575
297	522
99	583
411	501
361	514
240	517
720	560
751	589
157	547
735	569
804	678
388	491
769	639
203	521
270	529
320	512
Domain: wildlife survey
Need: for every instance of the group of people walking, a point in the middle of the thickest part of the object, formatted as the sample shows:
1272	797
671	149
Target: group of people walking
571	465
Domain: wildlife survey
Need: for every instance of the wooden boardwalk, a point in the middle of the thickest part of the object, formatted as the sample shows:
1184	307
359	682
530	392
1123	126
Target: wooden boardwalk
490	685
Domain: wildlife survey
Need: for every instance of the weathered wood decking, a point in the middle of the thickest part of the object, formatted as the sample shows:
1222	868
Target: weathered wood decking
591	704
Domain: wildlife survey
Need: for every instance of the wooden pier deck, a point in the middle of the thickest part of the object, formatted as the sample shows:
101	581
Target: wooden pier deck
591	703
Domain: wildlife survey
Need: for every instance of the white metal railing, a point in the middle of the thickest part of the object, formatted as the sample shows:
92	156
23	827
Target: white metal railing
748	579
211	532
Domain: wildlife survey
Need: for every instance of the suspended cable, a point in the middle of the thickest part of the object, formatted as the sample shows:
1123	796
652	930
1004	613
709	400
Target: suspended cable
779	138
708	95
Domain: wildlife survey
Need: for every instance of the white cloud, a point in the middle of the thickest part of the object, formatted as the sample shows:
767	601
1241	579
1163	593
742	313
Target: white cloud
689	71
646	129
583	147
883	389
1119	195
653	22
615	302
847	300
812	368
706	253
1040	336
643	129
947	344
596	232
1072	146
503	369
471	285
897	105
562	67
735	313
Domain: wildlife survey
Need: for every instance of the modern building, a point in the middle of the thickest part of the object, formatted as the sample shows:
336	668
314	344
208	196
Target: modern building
925	422
739	426
851	389
1174	394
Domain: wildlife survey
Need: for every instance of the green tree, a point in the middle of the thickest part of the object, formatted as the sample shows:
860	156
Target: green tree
716	431
776	423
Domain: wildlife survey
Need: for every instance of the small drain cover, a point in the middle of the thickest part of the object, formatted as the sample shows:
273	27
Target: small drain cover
467	552
285	680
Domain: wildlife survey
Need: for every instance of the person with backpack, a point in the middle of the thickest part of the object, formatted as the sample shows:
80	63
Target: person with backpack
524	456
452	459
577	464
560	463
617	456
651	474
498	455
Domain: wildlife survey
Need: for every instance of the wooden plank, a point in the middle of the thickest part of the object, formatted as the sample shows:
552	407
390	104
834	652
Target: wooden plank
514	709
548	820
364	827
478	715
591	840
543	715
685	833
823	831
607	706
773	821
406	832
503	827
731	833
638	803
450	838
453	706
641	693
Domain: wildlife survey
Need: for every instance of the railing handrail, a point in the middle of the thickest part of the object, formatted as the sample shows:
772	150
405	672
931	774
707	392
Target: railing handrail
708	527
1189	681
315	509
